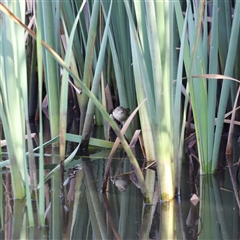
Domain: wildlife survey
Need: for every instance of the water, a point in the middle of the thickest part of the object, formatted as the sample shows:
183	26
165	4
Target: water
80	211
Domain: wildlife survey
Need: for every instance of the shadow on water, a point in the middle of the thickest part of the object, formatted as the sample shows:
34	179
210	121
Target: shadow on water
76	208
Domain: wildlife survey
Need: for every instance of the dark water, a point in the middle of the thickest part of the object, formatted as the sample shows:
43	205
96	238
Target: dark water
80	211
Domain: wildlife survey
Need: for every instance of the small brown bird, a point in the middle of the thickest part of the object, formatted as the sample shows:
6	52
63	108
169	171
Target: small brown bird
121	114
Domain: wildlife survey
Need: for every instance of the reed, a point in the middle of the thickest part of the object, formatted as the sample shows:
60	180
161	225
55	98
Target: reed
199	44
140	49
14	98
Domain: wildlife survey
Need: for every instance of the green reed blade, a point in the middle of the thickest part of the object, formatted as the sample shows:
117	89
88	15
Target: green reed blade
64	89
49	12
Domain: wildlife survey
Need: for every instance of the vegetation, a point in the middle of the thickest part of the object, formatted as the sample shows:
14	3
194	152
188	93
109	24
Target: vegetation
169	52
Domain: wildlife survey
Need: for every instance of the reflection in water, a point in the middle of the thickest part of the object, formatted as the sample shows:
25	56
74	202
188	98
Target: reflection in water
120	179
75	208
84	213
